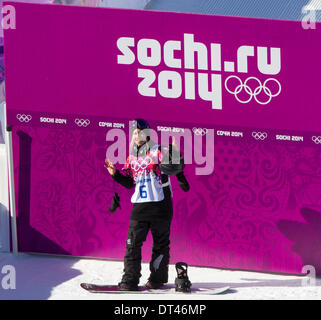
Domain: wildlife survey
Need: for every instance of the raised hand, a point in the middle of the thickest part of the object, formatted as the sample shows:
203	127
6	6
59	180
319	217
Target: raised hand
110	167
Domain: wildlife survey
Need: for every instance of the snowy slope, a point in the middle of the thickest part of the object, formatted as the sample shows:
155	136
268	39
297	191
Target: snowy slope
47	277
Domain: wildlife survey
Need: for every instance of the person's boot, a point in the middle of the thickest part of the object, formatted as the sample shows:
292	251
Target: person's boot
127	286
153	285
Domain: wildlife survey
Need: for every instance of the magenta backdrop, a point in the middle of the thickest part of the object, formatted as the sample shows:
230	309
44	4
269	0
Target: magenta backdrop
259	210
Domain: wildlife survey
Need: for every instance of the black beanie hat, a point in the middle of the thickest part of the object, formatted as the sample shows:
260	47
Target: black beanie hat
140	124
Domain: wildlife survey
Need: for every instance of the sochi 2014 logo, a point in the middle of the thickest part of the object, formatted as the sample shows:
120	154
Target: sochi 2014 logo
202	77
261	92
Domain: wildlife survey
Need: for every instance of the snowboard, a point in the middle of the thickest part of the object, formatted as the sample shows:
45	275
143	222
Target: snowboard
94	288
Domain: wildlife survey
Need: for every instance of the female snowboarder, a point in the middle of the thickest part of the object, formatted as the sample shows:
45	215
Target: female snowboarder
152	207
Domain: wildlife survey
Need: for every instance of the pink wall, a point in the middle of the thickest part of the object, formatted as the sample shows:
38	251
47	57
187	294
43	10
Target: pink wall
259	209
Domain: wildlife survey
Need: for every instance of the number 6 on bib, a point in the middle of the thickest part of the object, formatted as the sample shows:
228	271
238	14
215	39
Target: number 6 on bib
143	192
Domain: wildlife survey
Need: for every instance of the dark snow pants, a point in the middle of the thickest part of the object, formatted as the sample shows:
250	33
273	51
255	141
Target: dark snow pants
137	233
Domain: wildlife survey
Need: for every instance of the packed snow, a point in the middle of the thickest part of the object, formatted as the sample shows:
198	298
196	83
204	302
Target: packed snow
43	277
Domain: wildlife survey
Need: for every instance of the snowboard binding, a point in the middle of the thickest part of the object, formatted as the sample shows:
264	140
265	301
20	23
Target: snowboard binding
182	283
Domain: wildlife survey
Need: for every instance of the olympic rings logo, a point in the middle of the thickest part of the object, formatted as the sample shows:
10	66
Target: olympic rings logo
200	131
259	135
256	91
82	122
24	118
136	165
316	140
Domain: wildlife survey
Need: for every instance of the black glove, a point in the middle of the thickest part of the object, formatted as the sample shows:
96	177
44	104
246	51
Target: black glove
182	181
115	204
173	162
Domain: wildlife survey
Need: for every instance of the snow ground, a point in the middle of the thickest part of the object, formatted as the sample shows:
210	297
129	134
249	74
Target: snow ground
58	278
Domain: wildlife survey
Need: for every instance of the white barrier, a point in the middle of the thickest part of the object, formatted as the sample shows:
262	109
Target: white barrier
4	187
4	202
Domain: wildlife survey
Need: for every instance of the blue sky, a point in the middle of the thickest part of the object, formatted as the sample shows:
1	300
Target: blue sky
273	9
